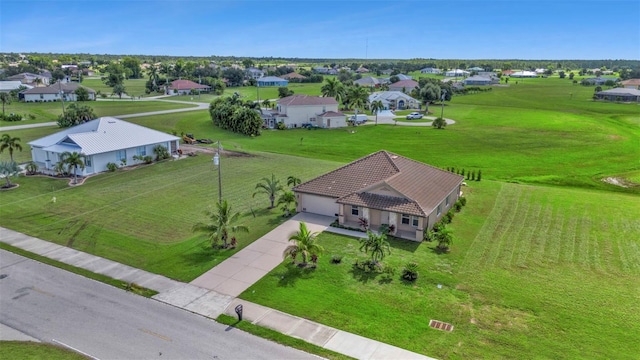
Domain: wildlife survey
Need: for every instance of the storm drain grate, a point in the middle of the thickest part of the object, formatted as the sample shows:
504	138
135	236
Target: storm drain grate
440	325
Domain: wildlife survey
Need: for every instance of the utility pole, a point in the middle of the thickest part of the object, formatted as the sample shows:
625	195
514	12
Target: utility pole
216	162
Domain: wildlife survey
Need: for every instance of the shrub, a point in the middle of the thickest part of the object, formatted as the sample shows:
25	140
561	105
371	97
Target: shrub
367	265
11	117
364	223
282	126
439	226
473	175
336	259
457	206
479	175
161	152
388	272
112	167
387	229
448	217
410	271
463	200
31	167
148	159
429	235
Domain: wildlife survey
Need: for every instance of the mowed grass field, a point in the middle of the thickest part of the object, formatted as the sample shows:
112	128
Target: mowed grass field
133	87
534	272
143	217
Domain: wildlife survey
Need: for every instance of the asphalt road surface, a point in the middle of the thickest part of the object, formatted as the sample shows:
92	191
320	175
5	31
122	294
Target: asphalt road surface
103	322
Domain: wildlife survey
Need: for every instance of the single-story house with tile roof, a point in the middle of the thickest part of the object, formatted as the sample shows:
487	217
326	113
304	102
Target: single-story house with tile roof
184	87
394	100
272	81
430	70
631	83
8	86
52	92
619	95
457	73
294	76
30	78
404	85
103	140
383	188
299	109
368	81
480	80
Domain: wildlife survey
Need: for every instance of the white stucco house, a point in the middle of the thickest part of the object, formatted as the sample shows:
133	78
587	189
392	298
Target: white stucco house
457	73
394	100
430	70
55	92
384	188
296	110
103	140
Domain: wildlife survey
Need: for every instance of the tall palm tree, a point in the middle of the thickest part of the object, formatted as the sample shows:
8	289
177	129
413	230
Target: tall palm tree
287	199
357	97
153	76
293	181
222	224
266	103
375	244
9	169
305	244
375	107
6	100
9	143
73	160
271	187
333	88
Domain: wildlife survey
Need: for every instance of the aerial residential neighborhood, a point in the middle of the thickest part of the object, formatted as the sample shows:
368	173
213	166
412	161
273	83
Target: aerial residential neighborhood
286	182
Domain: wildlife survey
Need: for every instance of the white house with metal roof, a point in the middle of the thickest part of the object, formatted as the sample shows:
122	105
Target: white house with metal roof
103	140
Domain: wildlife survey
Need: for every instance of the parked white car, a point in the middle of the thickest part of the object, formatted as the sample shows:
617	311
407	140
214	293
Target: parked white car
414	115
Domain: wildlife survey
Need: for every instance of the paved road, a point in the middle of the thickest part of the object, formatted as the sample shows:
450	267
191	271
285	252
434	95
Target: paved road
50	304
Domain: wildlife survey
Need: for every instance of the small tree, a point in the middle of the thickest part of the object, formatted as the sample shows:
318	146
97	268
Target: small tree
6	100
31	168
444	239
375	245
439	123
293	181
82	94
221	225
73	160
270	187
9	169
287	199
119	89
161	152
9	143
305	244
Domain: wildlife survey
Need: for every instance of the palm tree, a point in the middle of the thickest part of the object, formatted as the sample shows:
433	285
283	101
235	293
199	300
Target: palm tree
153	76
293	181
222	224
375	107
271	187
333	88
444	239
286	200
73	160
266	103
375	244
9	169
9	143
305	244
6	100
357	97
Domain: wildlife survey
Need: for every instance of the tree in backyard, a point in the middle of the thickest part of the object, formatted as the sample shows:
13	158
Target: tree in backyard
287	200
305	244
439	123
444	239
247	63
115	74
153	77
284	91
356	97
375	107
270	187
133	64
82	94
234	76
218	87
345	77
293	181
76	114
179	69
266	103
10	144
222	224
6	100
428	94
333	88
73	160
376	245
9	169
119	89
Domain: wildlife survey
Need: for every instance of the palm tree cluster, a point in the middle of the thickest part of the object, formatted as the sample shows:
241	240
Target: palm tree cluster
351	97
304	244
274	189
221	225
73	160
231	114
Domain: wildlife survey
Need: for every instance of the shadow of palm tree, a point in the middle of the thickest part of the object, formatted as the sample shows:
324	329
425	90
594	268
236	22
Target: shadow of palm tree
292	274
363	276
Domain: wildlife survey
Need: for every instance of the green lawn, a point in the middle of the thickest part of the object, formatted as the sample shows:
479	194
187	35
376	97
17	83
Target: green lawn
251	92
46	112
133	87
143	217
534	272
28	350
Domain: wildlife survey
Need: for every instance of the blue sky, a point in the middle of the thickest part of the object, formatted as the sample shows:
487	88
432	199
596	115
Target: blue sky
543	29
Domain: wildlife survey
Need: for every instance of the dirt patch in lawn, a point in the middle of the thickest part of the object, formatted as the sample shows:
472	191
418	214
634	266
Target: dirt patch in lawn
618	181
186	148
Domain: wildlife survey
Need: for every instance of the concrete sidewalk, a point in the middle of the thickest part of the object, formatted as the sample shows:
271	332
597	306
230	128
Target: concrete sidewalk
233	276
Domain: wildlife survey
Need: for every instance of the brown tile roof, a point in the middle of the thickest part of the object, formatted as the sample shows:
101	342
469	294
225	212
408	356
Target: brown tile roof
186	85
293	75
307	100
633	82
408	84
423	186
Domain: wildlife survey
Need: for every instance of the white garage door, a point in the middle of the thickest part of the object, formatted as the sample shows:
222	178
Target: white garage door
319	205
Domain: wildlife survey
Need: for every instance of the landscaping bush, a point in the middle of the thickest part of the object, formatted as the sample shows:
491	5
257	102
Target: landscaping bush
429	235
462	200
161	152
31	167
336	259
367	265
410	271
112	167
11	117
448	217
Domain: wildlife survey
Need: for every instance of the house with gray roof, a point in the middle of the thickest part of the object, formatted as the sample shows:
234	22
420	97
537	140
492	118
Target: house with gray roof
619	95
383	188
272	81
56	92
8	86
406	86
103	140
394	100
297	110
368	81
430	70
480	80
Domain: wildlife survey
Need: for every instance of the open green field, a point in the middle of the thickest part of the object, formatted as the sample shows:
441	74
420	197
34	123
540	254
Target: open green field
143	217
46	112
36	351
251	92
534	272
133	87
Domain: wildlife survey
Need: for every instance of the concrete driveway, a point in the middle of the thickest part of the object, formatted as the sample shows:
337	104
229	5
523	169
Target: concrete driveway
247	266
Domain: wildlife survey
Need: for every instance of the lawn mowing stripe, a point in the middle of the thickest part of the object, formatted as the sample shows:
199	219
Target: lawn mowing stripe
632	244
622	255
552	253
595	257
511	221
583	239
528	238
569	236
518	244
544	223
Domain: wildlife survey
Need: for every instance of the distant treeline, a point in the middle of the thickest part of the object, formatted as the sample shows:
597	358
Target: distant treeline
402	65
